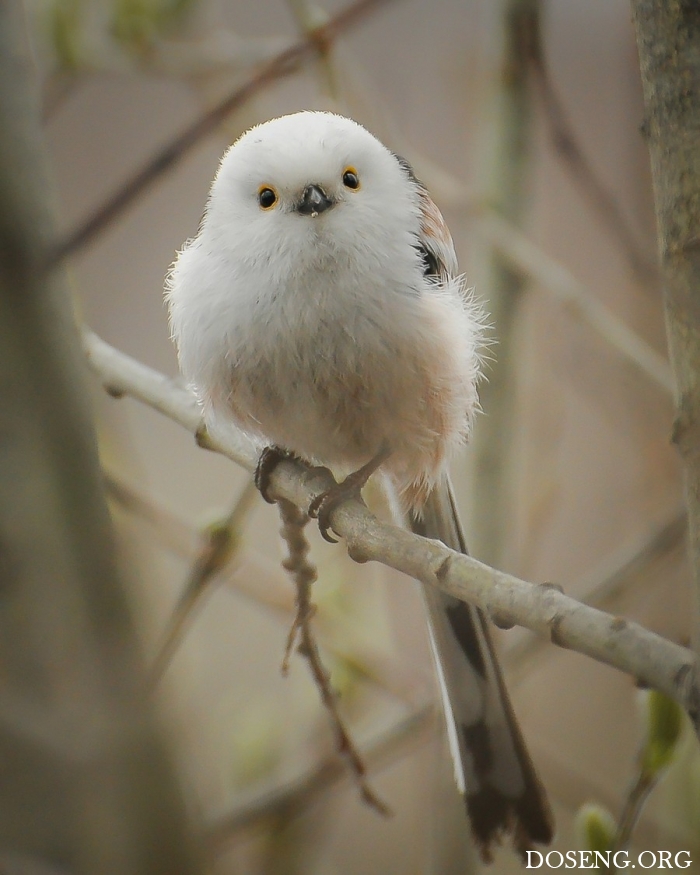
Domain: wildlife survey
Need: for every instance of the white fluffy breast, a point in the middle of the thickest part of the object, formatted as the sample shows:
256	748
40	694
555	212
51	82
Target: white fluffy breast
315	332
255	280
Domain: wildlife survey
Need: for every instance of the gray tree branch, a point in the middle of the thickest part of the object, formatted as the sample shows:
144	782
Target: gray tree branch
621	643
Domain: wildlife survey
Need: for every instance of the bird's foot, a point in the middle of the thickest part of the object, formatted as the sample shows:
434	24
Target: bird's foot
322	507
268	461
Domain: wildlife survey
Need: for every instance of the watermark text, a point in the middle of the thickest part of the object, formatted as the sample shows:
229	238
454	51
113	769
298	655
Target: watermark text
608	860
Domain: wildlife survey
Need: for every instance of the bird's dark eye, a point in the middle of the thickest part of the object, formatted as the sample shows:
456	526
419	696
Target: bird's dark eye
350	178
267	197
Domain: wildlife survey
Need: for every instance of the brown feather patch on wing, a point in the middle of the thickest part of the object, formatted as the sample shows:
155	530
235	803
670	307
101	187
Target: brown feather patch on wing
435	239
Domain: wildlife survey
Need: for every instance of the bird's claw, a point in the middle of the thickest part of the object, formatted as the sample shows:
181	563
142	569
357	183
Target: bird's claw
268	461
324	504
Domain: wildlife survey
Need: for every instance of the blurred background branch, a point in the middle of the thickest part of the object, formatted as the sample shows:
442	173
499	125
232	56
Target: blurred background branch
504	131
528	260
603	586
221	543
378	753
568	147
591	487
283	64
87	784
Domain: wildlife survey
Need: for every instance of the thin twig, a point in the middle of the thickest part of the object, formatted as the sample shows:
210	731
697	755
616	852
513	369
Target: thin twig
643	784
623	644
181	539
296	796
219	549
172	532
304	574
302	571
177	536
309	17
281	65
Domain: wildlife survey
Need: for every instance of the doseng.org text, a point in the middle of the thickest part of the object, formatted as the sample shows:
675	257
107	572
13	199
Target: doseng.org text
617	860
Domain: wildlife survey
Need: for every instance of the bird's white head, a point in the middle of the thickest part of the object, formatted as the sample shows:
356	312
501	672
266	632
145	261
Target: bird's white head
311	176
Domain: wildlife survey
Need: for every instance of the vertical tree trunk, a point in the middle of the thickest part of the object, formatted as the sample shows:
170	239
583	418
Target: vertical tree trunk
86	785
504	168
668	38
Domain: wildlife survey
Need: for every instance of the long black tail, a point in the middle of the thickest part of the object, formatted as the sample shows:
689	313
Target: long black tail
493	769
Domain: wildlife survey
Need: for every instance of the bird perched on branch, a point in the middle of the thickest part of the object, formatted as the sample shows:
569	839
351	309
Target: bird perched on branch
321	310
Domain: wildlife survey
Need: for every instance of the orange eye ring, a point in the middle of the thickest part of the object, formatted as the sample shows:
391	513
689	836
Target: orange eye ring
350	178
267	197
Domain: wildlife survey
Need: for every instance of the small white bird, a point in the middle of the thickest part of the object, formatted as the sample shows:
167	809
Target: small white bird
320	309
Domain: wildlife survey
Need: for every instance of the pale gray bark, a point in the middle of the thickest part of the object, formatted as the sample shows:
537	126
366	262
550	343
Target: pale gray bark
621	643
668	37
86	785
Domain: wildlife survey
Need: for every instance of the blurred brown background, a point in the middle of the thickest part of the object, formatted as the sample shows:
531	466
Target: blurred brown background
591	483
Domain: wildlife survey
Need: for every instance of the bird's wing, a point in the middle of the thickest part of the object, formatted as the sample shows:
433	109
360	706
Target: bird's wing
434	241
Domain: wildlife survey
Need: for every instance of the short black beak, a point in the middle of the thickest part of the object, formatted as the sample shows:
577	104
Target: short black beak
314	201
